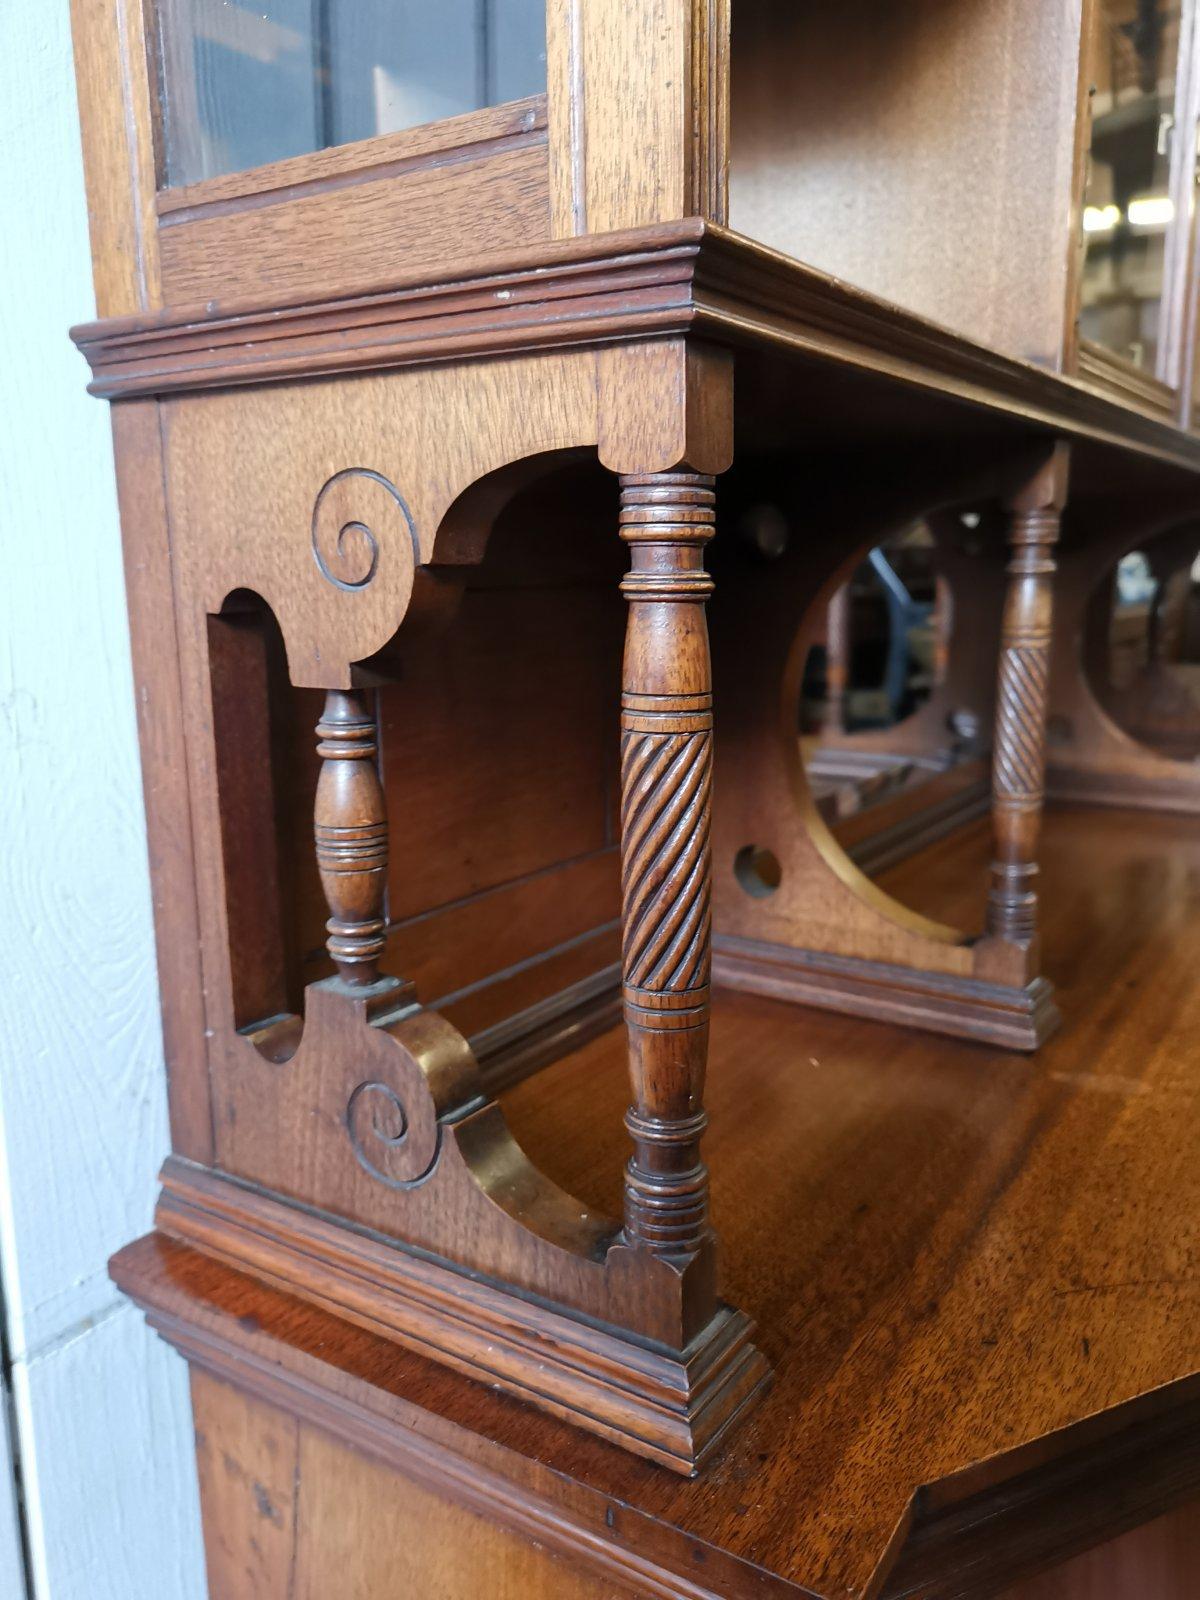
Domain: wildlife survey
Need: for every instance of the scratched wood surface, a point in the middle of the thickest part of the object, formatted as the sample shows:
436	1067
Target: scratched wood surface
983	1249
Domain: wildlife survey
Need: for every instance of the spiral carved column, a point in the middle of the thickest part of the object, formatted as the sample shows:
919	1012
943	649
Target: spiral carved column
666	854
1019	755
351	836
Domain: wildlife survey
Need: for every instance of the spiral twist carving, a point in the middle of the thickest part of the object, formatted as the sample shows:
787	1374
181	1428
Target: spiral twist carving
666	854
1019	755
666	816
1020	759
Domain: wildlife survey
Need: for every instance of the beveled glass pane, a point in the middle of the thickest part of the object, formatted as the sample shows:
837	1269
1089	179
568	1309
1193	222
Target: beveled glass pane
1128	209
244	84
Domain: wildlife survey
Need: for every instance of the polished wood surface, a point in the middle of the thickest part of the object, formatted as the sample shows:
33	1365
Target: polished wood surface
330	380
989	1286
290	1510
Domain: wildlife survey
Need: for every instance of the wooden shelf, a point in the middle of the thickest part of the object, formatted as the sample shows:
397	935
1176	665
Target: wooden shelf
972	1273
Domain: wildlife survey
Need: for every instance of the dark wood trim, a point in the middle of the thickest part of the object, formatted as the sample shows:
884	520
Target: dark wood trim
965	1008
1037	1521
516	1047
673	1409
659	281
1120	380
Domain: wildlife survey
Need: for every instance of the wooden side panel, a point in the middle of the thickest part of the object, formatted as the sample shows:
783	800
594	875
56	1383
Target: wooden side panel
924	152
364	1531
247	1459
292	1514
1160	1561
155	651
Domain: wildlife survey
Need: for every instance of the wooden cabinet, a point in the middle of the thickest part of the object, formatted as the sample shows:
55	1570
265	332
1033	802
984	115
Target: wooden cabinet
490	429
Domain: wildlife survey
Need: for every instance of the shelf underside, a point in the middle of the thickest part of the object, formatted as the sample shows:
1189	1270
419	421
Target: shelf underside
952	1253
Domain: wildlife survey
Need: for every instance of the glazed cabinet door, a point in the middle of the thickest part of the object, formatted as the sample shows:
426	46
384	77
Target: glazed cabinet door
1137	278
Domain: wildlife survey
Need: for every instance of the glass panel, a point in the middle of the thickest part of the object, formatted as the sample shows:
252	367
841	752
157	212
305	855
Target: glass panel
246	83
1128	209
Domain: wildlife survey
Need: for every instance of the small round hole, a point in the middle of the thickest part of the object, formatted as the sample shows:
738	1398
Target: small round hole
757	870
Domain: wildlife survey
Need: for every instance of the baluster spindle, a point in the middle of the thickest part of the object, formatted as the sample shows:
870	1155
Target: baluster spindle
666	805
1019	756
351	836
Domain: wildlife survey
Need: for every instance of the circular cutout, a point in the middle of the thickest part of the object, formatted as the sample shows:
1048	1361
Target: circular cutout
758	871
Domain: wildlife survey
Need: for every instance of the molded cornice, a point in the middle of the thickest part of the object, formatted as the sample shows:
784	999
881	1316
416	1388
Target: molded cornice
685	278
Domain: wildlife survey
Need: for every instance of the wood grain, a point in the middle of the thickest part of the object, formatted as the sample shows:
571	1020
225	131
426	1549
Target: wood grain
660	66
884	150
116	116
997	1329
158	698
247	1460
1159	1559
685	277
294	242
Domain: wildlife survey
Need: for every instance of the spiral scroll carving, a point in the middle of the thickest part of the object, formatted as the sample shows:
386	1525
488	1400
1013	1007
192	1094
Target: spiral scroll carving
394	1149
666	810
349	508
1020	759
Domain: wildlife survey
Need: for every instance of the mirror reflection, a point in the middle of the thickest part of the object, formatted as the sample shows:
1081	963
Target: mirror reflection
1142	651
898	690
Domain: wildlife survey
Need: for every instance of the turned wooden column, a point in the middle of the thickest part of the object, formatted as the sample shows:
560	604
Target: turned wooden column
351	836
666	853
837	660
1019	753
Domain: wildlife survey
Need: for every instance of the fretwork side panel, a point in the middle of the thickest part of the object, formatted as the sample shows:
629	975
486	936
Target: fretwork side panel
502	895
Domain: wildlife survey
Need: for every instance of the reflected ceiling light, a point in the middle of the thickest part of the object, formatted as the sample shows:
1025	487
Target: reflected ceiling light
1100	219
1151	211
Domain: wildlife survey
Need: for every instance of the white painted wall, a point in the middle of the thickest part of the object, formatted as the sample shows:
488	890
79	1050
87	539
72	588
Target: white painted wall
101	1423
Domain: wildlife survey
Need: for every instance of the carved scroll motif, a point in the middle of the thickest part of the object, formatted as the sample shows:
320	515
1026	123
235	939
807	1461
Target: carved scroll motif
346	546
392	1148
